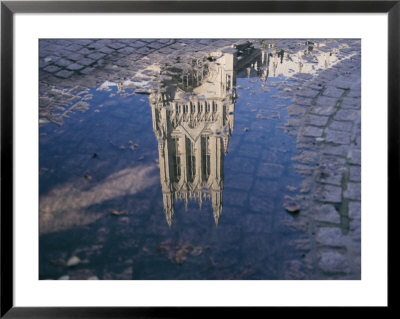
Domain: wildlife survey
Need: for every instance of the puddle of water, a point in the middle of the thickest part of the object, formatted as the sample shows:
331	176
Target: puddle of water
185	183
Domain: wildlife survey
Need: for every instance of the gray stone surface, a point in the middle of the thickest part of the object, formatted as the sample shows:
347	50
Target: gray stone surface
326	213
355	173
64	74
347	115
326	101
355	157
355	210
75	67
328	193
316	120
312	131
341	126
334	262
331	91
353	191
330	236
52	69
338	137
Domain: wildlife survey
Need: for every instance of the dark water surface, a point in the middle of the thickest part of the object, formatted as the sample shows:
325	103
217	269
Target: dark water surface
101	197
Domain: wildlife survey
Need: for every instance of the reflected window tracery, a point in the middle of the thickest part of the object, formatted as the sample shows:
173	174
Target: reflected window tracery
193	127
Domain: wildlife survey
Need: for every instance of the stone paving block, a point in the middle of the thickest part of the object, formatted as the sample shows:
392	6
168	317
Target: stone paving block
355	232
304	170
351	103
86	61
334	262
327	176
340	150
332	91
64	42
330	236
63	62
144	50
326	101
342	83
355	93
355	210
75	67
341	126
83	41
126	50
337	137
52	68
84	51
312	131
332	162
74	56
353	191
355	157
307	93
44	53
296	110
357	141
96	45
137	44
302	100
316	120
96	55
116	45
329	75
306	157
64	74
166	50
347	115
326	213
294	122
355	173
43	63
155	45
328	193
106	50
323	110
87	70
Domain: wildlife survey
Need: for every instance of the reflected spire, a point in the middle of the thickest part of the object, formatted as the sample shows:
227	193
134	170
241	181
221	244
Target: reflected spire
193	122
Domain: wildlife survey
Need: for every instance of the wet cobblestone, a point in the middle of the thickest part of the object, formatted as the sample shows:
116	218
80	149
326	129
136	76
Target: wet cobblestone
325	117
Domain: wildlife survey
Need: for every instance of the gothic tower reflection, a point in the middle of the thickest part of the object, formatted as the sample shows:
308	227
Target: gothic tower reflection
193	118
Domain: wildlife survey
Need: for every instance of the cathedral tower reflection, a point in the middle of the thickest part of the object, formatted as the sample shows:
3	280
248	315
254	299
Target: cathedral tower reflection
193	118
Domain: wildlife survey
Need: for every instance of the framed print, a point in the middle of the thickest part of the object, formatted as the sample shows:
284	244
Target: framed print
161	157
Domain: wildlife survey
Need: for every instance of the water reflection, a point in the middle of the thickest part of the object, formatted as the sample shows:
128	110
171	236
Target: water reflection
193	119
193	116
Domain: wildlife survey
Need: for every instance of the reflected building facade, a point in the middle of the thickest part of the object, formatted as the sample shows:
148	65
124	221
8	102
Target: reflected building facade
193	120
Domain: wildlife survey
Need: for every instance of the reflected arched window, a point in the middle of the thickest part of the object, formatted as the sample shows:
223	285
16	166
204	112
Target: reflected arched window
176	161
206	159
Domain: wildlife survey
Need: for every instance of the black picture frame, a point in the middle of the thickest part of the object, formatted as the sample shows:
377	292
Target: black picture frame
9	8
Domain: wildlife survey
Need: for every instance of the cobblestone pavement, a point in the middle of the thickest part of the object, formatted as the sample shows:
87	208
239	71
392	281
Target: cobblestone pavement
324	117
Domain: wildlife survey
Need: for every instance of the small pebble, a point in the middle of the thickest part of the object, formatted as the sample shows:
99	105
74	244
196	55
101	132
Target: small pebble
73	261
